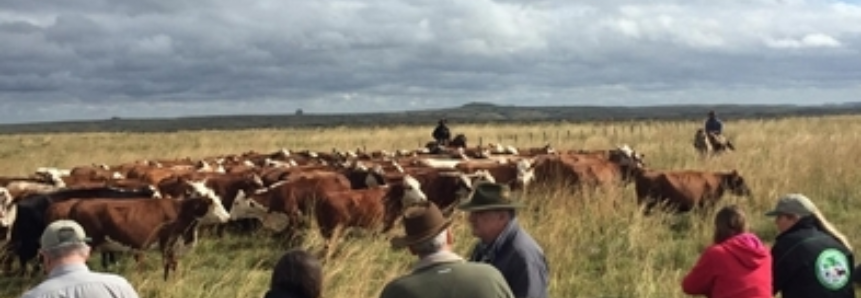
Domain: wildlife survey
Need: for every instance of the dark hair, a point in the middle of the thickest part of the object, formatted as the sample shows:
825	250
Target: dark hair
299	273
729	221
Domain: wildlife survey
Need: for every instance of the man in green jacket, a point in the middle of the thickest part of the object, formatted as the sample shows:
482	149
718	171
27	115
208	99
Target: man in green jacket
439	271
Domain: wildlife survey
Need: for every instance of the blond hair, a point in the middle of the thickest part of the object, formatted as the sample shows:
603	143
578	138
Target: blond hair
826	226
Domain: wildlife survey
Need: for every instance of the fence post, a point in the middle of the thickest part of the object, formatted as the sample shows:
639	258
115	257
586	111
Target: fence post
480	141
515	140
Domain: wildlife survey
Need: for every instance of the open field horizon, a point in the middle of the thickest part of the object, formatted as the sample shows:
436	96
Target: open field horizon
597	244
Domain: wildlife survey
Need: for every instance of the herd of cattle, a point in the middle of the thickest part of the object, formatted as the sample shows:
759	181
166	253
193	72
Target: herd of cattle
162	203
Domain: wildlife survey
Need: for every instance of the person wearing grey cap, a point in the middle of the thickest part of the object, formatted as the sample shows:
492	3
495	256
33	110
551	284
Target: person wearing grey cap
64	255
810	257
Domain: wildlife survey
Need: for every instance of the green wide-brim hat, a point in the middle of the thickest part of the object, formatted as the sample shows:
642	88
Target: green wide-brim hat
490	196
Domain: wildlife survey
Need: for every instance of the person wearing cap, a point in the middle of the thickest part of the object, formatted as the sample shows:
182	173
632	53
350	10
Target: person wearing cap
439	271
441	133
503	243
810	257
64	254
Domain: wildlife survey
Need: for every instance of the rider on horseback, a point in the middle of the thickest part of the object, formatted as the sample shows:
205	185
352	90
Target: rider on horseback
441	133
713	124
714	131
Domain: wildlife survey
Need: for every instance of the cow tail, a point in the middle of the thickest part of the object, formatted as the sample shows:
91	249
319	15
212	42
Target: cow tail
826	226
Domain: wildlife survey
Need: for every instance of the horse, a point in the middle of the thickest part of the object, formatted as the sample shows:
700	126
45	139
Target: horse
711	143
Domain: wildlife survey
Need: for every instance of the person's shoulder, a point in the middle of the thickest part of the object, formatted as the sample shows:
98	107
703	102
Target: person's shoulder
524	242
111	278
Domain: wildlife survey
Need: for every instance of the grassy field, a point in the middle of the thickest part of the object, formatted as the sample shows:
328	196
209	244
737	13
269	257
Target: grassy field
593	248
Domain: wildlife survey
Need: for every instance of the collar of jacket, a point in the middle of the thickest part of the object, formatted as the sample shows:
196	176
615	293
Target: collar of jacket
808	222
443	256
67	268
488	251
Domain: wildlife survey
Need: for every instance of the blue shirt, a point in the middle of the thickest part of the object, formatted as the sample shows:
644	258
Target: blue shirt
714	125
77	281
520	259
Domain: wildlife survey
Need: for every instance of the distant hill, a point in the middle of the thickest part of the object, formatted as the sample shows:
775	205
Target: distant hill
475	112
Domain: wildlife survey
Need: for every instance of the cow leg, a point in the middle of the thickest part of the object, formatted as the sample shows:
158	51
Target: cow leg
109	259
170	263
332	240
139	257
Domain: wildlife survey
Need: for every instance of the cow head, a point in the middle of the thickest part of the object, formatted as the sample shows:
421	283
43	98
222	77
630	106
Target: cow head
625	156
734	182
412	192
375	177
254	181
245	206
525	173
216	213
117	176
154	191
8	210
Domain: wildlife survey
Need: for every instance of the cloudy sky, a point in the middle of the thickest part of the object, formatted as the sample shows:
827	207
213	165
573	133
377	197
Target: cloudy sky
62	59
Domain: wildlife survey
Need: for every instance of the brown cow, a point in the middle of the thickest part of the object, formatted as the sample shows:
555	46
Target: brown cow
686	190
138	224
516	175
286	203
279	206
588	169
362	208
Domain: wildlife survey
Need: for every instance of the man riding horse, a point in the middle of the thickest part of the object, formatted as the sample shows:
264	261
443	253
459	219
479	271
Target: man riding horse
713	131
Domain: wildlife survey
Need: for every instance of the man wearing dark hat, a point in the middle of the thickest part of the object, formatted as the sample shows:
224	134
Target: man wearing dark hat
440	272
503	243
64	253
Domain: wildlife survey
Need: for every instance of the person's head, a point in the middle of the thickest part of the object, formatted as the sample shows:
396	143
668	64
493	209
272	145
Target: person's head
299	273
63	242
729	221
490	209
711	114
426	230
792	208
442	121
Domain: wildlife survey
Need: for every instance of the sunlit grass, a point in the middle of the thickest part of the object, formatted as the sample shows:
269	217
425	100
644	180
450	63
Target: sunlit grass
594	248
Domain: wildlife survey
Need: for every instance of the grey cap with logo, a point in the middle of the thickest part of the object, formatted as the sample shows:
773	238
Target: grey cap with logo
794	203
63	233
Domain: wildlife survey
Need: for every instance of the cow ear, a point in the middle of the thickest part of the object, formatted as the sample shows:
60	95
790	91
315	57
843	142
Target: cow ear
734	173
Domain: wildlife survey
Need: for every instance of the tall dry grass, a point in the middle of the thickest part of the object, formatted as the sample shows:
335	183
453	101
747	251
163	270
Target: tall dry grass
595	248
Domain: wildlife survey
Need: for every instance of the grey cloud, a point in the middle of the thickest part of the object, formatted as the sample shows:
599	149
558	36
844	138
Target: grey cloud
347	56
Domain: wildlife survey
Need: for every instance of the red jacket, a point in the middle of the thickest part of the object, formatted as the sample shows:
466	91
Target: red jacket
739	267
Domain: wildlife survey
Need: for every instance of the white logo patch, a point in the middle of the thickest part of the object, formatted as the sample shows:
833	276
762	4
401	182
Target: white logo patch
832	269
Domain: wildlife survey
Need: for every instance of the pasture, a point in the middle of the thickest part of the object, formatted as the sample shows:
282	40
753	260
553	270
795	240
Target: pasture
594	248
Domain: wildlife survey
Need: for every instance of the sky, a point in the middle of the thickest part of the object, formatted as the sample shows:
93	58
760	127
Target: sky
97	59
